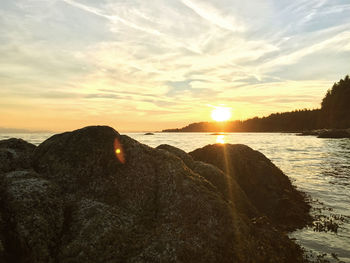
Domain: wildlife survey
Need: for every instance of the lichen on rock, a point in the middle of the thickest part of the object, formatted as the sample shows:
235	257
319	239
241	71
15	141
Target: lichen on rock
79	202
265	185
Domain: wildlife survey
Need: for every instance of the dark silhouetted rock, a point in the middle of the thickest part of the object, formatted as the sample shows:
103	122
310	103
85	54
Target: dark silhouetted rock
335	134
267	188
32	214
224	184
15	153
151	208
185	157
310	133
328	133
149	133
83	161
93	195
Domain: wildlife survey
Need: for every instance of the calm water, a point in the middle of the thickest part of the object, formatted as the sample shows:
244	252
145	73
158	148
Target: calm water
319	167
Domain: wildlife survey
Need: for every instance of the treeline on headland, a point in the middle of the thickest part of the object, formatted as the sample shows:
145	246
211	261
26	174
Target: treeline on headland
334	113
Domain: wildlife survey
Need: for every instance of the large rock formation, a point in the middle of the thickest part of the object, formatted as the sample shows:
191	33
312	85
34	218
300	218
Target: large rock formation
228	187
93	195
267	188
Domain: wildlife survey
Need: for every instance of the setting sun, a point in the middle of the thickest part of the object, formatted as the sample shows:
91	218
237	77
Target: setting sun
221	114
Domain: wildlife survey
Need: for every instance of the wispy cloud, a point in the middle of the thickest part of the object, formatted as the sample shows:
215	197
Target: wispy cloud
212	15
166	58
337	42
112	18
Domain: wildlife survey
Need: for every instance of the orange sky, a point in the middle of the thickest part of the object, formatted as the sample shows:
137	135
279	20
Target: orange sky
154	65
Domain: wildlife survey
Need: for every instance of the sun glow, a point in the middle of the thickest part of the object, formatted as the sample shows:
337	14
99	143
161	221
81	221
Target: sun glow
220	139
221	114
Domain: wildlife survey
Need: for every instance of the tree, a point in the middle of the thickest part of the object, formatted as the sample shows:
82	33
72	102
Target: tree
335	105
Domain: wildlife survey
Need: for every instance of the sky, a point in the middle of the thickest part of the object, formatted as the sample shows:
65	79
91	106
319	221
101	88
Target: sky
152	65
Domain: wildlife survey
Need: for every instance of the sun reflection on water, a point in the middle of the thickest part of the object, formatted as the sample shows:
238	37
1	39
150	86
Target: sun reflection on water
220	139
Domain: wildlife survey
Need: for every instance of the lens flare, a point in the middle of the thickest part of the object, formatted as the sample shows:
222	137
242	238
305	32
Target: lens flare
118	149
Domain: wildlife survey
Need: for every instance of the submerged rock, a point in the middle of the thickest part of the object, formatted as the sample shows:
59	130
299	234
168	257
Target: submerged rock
93	195
310	133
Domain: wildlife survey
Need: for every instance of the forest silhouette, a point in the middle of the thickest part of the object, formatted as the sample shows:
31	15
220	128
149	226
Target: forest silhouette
333	114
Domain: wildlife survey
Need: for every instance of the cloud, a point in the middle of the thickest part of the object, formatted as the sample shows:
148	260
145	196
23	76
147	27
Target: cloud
161	57
112	18
337	42
212	15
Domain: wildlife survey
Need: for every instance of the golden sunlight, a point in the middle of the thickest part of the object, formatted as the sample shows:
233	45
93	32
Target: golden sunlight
220	139
221	114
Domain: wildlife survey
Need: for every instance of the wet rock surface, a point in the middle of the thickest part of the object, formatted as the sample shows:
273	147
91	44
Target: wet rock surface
93	195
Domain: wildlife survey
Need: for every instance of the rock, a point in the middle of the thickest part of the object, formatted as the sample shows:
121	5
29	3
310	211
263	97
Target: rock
149	133
150	208
15	153
32	215
328	133
267	188
93	195
227	187
310	133
185	157
83	161
336	134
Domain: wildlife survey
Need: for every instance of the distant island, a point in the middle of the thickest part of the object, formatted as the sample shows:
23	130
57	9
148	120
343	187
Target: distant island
14	130
333	114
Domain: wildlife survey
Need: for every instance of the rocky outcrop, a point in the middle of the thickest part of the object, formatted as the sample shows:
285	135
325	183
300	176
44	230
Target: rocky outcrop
328	133
185	157
224	184
93	195
32	215
267	188
336	134
310	133
14	154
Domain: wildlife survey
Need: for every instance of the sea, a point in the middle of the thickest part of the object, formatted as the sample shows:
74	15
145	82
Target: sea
318	167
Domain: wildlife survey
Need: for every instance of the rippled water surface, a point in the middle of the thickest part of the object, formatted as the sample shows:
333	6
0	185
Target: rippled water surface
319	167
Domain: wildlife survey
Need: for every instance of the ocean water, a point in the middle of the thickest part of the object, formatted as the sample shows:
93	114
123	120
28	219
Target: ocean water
319	167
